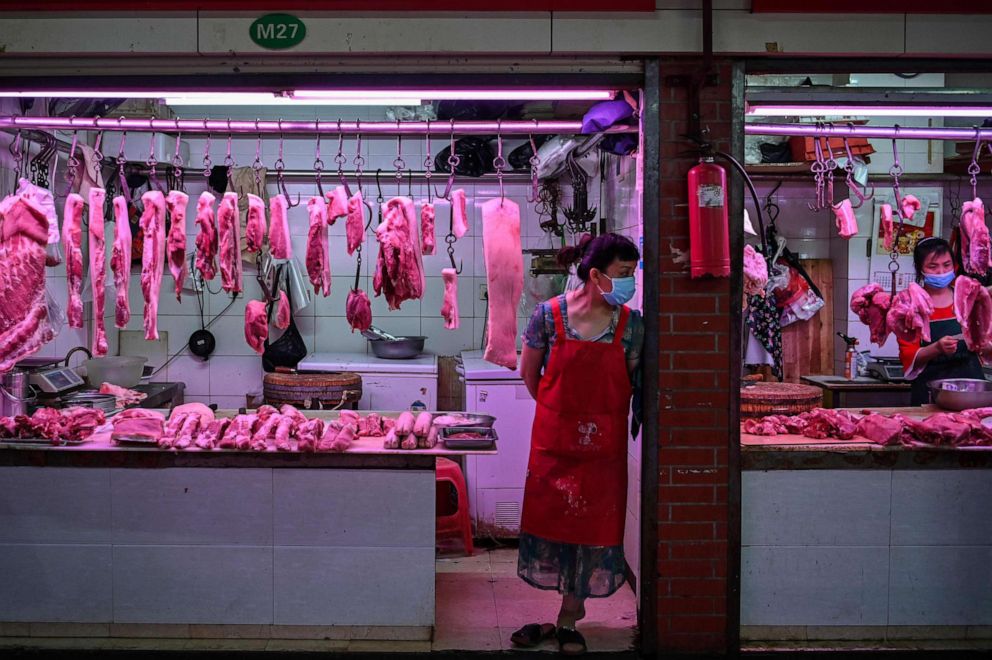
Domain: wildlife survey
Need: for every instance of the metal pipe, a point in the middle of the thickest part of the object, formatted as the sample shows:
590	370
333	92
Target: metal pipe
889	132
331	127
367	175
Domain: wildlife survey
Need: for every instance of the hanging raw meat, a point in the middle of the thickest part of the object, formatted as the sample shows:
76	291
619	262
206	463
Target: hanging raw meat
910	205
358	310
973	310
280	245
176	202
909	316
888	228
355	224
98	269
449	308
152	257
337	204
255	226
318	260
459	221
256	325
847	223
282	311
505	277
206	239
427	242
230	243
399	273
755	272
72	238
24	326
871	303
120	262
976	244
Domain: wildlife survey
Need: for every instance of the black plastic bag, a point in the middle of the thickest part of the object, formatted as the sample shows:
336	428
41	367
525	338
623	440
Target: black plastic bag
519	158
475	157
289	349
775	153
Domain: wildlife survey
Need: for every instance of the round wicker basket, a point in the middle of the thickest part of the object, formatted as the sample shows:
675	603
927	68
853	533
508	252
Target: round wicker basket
762	399
312	391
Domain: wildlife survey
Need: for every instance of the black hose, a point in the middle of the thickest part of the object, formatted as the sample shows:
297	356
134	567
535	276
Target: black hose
754	196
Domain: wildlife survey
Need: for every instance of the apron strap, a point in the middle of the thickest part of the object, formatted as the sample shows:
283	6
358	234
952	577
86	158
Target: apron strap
621	325
559	321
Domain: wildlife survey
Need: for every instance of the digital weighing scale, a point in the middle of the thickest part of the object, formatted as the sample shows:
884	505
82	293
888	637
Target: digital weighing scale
888	370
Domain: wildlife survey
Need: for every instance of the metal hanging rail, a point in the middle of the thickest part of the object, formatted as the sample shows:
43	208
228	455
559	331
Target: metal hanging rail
894	132
331	127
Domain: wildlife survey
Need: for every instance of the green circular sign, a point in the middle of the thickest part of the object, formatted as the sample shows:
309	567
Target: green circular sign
277	31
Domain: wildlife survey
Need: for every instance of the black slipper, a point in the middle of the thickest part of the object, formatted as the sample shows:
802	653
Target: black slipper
533	634
570	636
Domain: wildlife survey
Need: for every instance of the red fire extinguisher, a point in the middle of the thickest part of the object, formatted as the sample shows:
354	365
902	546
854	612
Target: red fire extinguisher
709	234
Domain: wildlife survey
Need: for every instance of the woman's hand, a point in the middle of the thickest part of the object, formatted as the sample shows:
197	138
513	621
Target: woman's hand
946	346
531	361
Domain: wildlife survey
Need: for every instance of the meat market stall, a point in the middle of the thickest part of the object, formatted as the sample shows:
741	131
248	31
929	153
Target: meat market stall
100	530
867	523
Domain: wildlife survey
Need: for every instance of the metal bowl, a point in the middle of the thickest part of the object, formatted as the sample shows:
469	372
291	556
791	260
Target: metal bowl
401	348
961	393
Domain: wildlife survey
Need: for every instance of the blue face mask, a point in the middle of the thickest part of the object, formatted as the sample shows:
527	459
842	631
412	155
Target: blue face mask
938	281
623	290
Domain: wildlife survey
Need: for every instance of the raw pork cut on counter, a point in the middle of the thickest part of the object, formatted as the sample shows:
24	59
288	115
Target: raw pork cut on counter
229	232
318	260
358	310
176	202
98	270
505	278
122	395
152	258
72	239
282	311
256	325
847	223
255	227
963	428
280	244
120	262
973	310
755	272
399	271
888	228
427	241
75	423
206	239
354	226
871	303
138	424
24	323
459	218
976	244
449	308
909	316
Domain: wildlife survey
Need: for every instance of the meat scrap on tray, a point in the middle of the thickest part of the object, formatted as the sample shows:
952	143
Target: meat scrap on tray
948	429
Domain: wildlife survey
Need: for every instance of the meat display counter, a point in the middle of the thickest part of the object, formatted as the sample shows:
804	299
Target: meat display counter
337	545
855	540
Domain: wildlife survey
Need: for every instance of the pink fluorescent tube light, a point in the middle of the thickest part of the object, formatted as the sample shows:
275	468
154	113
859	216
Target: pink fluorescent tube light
777	110
327	96
510	94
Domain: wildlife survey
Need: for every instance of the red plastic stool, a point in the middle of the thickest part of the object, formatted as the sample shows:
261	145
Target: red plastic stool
459	522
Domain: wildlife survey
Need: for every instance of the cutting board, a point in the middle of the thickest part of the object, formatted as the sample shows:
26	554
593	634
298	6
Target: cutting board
808	346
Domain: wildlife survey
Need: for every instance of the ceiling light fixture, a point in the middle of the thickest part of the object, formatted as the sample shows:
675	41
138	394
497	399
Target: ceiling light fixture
800	110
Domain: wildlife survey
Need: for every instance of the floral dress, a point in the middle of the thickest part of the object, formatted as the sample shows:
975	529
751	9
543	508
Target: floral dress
583	571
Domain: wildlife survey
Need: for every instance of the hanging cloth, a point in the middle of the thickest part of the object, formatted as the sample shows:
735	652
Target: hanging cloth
764	322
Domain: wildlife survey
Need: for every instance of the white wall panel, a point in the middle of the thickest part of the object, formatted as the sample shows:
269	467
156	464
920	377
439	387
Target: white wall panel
98	33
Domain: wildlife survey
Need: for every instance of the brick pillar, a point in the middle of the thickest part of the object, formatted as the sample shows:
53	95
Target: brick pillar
695	381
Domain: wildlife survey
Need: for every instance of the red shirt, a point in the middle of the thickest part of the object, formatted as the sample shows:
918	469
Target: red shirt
908	350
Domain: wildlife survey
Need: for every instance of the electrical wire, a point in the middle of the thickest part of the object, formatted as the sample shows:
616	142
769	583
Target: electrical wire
234	297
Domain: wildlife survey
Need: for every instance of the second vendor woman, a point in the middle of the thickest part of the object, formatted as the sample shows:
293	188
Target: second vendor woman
945	355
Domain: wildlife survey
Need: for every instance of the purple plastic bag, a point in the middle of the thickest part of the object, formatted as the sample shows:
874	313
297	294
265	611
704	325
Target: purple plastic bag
605	114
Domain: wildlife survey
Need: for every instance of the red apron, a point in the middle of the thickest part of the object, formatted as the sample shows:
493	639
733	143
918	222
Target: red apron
576	489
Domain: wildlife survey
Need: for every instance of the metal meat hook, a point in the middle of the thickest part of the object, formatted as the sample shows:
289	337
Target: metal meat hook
450	240
852	185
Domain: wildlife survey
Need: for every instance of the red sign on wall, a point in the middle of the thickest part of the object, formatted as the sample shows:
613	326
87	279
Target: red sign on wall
335	5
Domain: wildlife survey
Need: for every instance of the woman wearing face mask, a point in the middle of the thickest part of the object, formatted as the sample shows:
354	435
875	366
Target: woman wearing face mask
587	343
945	355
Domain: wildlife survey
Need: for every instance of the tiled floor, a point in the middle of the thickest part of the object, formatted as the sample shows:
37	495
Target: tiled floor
481	601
